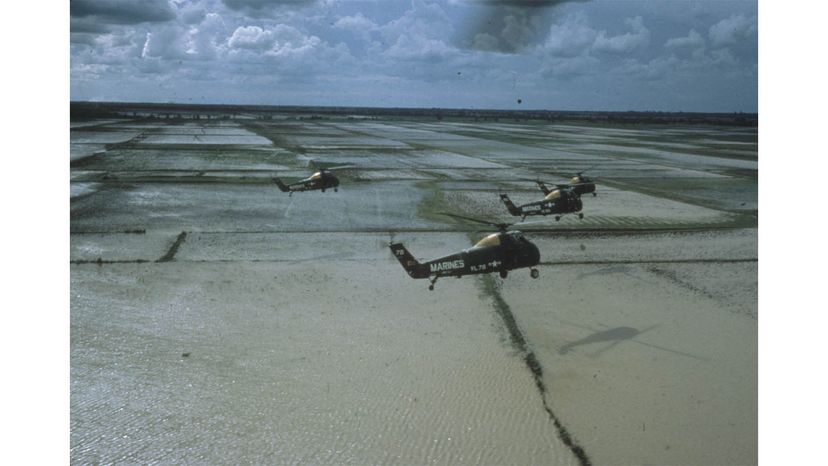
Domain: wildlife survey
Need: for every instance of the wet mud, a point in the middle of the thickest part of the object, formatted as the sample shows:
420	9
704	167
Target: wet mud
518	341
216	320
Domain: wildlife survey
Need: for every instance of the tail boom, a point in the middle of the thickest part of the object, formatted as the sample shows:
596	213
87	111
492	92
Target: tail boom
413	267
283	187
513	209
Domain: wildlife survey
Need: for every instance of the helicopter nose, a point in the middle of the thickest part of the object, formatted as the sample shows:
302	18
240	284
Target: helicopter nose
533	254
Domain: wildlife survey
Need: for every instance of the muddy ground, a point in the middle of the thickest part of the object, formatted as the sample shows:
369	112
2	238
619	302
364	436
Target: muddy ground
215	319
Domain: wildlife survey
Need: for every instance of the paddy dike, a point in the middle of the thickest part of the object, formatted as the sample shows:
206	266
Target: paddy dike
306	342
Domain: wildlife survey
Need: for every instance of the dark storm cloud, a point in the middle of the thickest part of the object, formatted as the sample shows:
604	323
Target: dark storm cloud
509	26
121	11
264	4
522	3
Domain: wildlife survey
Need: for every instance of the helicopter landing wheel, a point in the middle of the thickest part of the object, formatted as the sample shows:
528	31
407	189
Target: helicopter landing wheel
504	273
557	218
581	216
433	281
594	194
534	273
336	190
323	190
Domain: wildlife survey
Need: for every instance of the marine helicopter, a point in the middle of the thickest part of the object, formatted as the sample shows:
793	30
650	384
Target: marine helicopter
322	179
564	199
498	252
580	183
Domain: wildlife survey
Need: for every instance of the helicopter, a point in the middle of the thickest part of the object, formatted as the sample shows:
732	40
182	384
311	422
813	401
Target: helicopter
580	184
497	252
562	200
323	179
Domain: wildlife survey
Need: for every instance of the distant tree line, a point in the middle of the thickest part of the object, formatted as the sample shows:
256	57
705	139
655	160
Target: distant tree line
81	110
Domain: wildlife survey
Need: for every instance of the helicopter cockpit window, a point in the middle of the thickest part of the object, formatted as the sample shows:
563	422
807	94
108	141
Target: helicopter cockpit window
316	176
491	240
553	195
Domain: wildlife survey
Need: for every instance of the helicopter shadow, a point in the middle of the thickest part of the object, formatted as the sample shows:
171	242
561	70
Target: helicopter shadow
613	337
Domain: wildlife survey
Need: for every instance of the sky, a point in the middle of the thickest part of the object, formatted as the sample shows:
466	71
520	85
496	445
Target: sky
616	55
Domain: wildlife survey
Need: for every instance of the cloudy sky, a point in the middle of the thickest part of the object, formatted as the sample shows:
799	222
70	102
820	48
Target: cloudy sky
544	54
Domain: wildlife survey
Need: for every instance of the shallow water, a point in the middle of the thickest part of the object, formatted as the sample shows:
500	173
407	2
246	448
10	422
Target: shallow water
215	319
281	369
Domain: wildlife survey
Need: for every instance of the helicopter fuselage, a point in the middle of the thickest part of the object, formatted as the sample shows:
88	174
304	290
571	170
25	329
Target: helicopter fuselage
556	202
322	180
563	205
499	252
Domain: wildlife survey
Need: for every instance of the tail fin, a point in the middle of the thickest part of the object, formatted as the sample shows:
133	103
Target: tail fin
283	187
513	209
543	187
409	263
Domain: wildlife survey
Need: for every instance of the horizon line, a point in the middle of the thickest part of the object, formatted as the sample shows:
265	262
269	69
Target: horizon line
363	107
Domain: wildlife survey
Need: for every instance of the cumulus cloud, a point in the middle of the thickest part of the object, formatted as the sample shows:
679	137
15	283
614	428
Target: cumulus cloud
693	40
419	48
167	42
423	20
421	33
204	40
575	37
251	37
290	41
624	43
191	13
357	24
570	38
732	30
237	48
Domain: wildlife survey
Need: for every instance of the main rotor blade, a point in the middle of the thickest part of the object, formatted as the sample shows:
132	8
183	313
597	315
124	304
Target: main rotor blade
533	222
580	172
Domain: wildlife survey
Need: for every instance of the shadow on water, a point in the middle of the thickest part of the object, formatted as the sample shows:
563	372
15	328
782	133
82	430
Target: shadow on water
614	335
617	335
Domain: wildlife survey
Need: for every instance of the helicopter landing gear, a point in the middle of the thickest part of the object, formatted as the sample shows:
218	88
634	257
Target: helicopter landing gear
594	194
580	215
557	218
323	190
504	273
534	273
336	190
433	281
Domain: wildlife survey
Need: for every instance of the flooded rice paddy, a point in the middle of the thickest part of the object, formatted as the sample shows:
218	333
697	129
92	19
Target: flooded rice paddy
215	319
